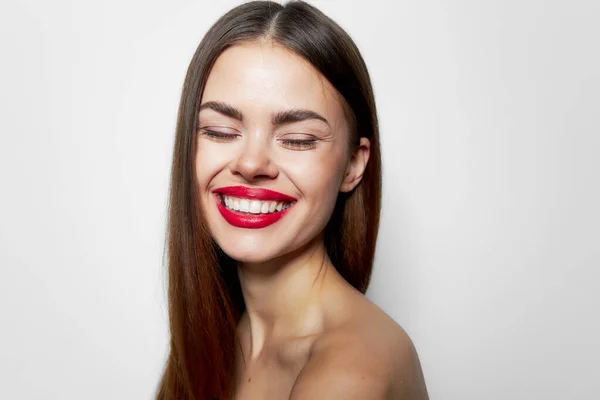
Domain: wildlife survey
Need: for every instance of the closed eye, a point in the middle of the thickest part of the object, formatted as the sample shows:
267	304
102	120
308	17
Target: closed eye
297	144
218	135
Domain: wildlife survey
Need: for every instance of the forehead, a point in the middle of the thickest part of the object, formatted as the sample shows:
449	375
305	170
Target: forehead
263	77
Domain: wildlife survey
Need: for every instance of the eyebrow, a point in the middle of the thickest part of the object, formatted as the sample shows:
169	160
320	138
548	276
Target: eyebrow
279	118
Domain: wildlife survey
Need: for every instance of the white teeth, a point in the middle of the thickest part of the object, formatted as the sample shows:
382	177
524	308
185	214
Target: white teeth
264	208
253	206
244	205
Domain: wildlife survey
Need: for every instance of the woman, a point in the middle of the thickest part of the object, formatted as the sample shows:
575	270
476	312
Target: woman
273	219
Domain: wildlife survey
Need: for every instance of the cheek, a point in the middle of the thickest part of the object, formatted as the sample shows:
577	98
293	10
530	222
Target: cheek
209	160
318	177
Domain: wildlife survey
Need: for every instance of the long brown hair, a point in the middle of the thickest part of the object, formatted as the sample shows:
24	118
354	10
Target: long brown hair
205	299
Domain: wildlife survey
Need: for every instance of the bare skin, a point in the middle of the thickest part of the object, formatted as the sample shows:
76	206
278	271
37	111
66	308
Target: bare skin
345	347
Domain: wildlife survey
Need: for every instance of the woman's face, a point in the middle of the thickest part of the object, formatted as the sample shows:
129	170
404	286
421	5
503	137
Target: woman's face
272	152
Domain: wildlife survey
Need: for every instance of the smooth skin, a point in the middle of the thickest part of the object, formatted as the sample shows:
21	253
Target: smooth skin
306	333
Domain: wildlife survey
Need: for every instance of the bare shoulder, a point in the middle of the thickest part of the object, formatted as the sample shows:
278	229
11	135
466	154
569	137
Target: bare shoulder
369	356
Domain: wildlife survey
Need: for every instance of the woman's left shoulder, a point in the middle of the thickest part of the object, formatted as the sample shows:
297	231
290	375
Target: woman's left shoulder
368	356
380	341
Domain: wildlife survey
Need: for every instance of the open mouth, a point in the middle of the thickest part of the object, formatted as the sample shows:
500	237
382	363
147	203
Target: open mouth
252	206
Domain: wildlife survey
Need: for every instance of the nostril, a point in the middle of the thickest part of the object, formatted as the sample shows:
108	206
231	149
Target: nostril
255	167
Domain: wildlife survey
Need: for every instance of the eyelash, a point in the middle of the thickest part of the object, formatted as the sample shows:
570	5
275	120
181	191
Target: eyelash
217	135
306	144
300	144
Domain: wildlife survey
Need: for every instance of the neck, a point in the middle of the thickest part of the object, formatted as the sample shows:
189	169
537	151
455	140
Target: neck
284	297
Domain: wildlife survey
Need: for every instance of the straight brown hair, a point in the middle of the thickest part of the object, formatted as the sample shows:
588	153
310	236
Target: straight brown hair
205	299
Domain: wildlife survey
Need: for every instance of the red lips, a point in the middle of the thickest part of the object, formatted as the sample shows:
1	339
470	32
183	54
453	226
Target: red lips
251	221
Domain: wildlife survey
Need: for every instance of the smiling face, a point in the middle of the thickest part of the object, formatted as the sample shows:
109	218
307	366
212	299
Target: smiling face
272	152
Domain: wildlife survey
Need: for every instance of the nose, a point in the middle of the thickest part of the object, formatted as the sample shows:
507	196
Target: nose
254	160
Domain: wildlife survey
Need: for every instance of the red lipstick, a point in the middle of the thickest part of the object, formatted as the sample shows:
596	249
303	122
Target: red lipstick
248	220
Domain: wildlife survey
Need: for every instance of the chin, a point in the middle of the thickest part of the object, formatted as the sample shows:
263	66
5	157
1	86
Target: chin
250	252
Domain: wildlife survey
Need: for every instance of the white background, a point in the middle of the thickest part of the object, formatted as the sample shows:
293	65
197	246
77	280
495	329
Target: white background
489	246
